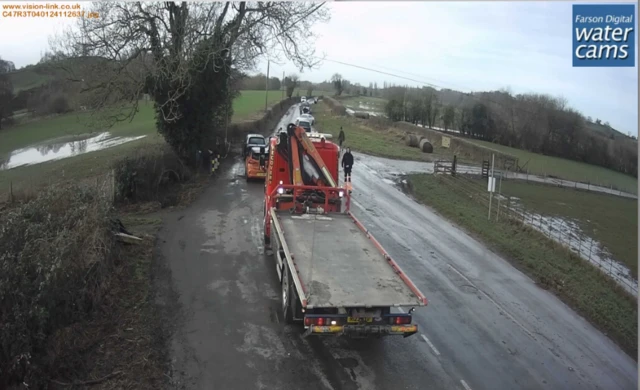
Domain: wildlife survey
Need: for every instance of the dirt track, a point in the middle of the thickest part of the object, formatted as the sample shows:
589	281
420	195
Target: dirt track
487	326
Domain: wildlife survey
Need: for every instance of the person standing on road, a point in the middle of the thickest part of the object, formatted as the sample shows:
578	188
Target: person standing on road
347	164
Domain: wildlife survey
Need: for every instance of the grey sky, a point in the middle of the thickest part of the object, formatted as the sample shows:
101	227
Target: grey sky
459	45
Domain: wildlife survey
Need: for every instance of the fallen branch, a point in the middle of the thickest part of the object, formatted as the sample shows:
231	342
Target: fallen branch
128	238
86	383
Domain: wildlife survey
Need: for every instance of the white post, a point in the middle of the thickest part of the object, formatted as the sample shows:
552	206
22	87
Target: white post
491	185
500	196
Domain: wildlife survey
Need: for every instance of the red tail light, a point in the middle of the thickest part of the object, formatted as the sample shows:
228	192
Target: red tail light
317	321
402	320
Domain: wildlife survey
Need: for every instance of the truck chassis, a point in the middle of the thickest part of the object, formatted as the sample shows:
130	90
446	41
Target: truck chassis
336	279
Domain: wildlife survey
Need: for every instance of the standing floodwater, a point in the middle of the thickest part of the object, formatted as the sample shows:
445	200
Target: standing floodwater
56	149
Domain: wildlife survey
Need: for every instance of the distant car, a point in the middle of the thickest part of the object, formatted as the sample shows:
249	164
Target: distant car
309	117
251	141
303	98
304	123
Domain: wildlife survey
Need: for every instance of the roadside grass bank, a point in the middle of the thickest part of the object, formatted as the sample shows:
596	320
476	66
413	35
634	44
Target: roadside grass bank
576	282
611	220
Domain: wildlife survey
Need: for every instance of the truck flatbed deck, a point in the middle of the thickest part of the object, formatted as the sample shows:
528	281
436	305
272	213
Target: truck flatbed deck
340	266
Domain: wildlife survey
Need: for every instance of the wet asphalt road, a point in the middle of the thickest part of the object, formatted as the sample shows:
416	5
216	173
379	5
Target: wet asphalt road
487	326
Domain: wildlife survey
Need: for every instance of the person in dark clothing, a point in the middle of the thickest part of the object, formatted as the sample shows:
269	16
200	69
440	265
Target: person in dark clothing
341	137
347	164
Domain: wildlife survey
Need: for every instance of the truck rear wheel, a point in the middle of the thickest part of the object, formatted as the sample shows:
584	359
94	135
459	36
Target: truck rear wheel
287	296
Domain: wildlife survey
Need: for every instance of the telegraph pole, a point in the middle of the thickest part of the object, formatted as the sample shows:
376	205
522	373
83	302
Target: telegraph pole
266	88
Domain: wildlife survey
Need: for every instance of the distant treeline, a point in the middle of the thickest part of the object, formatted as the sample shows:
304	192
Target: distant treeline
535	122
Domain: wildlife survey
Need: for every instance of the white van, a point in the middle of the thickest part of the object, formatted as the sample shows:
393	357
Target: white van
304	123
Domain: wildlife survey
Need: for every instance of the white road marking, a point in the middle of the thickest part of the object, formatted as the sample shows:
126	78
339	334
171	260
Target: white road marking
497	305
465	385
433	347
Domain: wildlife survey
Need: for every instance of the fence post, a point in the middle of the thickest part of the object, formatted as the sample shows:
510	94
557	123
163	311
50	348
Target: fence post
500	196
579	243
113	186
453	165
11	191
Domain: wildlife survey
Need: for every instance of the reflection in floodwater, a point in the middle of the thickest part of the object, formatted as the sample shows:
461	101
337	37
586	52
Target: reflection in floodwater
57	150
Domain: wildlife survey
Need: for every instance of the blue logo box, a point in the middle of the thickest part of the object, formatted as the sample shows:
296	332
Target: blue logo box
604	35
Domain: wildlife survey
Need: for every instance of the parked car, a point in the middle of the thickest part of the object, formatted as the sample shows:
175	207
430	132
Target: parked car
251	141
304	123
309	117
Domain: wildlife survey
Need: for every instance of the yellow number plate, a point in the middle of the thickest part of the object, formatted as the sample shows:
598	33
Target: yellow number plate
353	320
261	174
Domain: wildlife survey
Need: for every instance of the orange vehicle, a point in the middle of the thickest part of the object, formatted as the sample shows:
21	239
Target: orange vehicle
255	163
336	278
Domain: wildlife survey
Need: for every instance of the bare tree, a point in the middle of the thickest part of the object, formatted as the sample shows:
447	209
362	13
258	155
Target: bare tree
338	83
448	117
186	56
6	90
291	82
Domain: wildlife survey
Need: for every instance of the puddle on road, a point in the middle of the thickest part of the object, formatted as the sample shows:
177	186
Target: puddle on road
62	149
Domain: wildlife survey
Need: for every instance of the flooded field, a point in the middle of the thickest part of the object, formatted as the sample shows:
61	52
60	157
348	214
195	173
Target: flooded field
569	234
361	106
61	148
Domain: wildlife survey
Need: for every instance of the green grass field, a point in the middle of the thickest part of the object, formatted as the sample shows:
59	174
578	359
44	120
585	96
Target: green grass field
592	294
247	106
611	220
567	169
27	78
359	137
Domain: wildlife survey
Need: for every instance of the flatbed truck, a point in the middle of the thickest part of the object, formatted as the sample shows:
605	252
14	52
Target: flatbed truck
335	277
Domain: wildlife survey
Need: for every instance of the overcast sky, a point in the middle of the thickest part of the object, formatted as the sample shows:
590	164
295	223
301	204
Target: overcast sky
525	46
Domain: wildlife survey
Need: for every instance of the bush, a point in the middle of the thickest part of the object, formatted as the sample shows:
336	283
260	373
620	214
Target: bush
56	257
149	176
58	105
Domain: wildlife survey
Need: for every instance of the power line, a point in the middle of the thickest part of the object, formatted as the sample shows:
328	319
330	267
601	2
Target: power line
469	94
472	95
